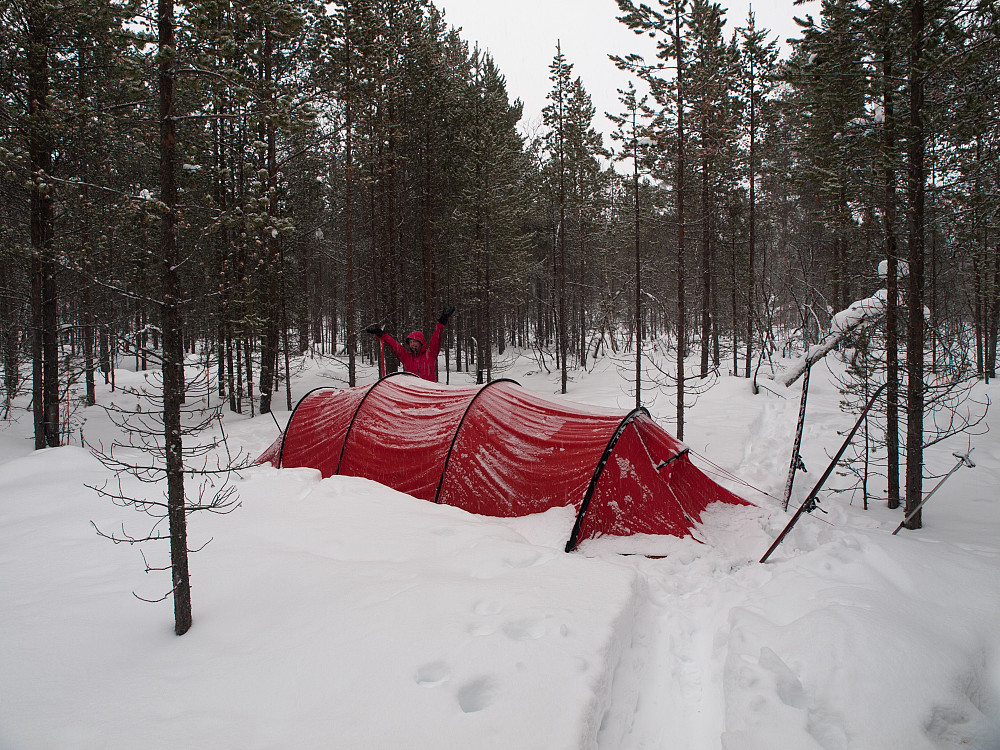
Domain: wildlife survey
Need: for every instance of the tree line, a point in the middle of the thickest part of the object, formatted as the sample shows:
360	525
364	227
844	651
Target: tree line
256	180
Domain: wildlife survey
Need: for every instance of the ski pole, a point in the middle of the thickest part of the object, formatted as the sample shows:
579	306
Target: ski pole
809	505
381	358
963	460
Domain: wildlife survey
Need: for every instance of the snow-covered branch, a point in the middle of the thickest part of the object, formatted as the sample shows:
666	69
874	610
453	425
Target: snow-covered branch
856	315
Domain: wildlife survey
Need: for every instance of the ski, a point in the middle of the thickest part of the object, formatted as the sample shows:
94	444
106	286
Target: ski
810	503
797	444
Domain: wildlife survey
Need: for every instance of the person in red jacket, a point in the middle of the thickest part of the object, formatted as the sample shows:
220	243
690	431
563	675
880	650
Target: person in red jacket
417	356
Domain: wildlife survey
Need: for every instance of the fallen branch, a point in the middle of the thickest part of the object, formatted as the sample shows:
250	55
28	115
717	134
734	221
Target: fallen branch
858	314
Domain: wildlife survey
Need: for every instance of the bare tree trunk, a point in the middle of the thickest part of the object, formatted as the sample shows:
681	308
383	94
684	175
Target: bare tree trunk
173	354
706	267
352	355
284	335
248	359
10	338
45	342
271	322
235	390
716	346
426	226
751	279
86	243
915	319
37	370
581	298
732	301
977	316
892	275
487	342
993	313
681	328
638	269
561	273
220	334
105	352
88	346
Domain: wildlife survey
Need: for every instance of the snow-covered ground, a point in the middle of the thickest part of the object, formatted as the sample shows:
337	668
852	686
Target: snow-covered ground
341	614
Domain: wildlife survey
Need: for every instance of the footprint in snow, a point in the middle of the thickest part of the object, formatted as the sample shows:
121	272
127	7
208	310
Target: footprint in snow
524	560
476	695
480	629
433	674
527	629
485	607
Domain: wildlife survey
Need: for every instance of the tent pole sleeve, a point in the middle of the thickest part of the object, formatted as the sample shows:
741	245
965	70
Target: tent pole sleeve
291	419
357	409
454	438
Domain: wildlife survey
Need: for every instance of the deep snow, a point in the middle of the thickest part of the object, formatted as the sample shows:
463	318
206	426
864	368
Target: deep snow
338	613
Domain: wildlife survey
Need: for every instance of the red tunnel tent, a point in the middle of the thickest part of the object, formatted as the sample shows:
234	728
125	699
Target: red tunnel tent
500	450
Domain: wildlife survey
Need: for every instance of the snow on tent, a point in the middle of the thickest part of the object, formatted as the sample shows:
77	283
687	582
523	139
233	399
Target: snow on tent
500	450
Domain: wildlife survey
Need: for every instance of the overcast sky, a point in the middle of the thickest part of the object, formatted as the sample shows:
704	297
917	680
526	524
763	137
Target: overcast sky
521	36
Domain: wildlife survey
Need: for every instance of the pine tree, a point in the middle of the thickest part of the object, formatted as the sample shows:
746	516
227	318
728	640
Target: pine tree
490	204
556	118
671	25
758	57
633	138
589	183
710	91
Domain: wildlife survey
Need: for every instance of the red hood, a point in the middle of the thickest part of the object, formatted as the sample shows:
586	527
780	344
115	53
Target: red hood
418	336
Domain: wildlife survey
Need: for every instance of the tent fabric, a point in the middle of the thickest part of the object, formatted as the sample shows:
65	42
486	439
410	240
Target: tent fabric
500	450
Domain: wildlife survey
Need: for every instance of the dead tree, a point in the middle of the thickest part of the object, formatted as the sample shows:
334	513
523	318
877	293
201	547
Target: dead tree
141	463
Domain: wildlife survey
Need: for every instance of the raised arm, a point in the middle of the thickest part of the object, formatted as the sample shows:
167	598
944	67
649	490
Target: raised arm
396	347
435	343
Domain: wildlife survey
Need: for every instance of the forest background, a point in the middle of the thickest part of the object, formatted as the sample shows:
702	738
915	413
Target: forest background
252	181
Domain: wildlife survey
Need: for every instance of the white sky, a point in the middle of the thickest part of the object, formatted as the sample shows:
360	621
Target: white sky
521	36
